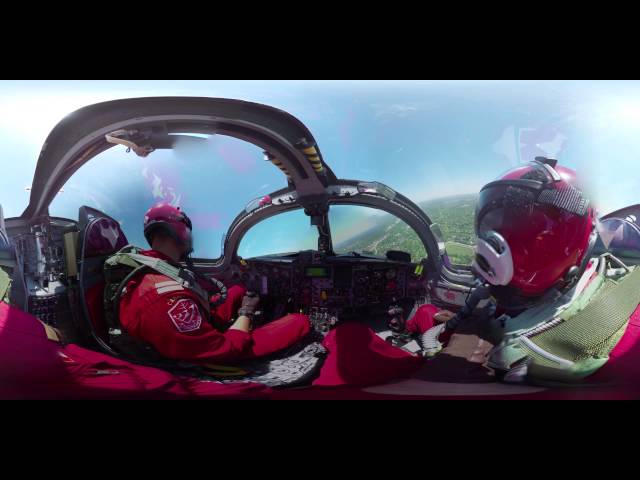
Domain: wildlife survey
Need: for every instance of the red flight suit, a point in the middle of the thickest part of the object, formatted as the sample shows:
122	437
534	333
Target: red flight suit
422	320
159	311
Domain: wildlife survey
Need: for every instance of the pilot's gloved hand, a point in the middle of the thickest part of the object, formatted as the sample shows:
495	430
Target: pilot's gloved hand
250	303
430	343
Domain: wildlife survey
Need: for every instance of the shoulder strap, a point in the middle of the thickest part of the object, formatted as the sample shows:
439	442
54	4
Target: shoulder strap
5	285
578	341
181	275
129	256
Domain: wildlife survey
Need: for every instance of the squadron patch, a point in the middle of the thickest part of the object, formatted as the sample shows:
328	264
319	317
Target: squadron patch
185	315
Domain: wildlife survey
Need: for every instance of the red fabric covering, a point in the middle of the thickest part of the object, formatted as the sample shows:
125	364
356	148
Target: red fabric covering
27	358
623	366
357	356
34	367
619	379
278	335
422	319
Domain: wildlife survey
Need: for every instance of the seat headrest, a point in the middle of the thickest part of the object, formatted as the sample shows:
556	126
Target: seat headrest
102	237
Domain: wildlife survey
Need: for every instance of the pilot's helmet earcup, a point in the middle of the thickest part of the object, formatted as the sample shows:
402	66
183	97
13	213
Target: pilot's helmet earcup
493	259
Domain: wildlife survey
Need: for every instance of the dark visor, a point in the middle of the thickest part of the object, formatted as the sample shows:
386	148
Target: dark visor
517	198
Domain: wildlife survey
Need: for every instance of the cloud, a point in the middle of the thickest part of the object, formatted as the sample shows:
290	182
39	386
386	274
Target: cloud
160	190
553	147
506	145
398	110
385	112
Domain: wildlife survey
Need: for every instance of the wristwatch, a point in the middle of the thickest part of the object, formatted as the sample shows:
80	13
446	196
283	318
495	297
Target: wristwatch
245	312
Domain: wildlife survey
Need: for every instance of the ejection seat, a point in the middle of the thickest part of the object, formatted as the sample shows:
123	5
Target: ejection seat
100	236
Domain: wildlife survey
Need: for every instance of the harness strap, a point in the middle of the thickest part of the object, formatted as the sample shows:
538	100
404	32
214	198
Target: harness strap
565	342
129	256
5	286
112	299
594	330
578	341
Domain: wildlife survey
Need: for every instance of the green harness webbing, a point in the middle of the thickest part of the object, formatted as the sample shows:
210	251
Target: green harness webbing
587	337
7	265
129	257
594	331
5	285
577	341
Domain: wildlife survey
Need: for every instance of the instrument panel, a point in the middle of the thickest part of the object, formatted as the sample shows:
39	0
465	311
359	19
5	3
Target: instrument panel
332	286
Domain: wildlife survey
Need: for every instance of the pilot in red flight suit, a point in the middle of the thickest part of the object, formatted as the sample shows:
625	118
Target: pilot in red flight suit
160	311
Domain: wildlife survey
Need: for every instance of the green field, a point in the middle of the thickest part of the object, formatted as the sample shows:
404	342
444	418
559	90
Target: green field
454	215
460	254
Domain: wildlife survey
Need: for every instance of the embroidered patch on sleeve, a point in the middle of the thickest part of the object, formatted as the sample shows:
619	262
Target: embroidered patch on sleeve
185	315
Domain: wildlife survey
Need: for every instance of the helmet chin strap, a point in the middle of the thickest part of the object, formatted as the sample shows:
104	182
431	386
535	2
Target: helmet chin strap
186	257
575	272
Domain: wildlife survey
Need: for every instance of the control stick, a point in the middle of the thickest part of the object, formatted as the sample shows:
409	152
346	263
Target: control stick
430	339
481	292
397	324
249	305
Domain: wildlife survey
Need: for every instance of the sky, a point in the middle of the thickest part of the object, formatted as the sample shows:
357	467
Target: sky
425	139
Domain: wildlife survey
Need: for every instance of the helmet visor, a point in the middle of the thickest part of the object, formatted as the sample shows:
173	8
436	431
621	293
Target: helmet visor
505	203
515	201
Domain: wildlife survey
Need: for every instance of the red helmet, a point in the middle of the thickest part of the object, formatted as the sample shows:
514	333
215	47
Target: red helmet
170	219
533	226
